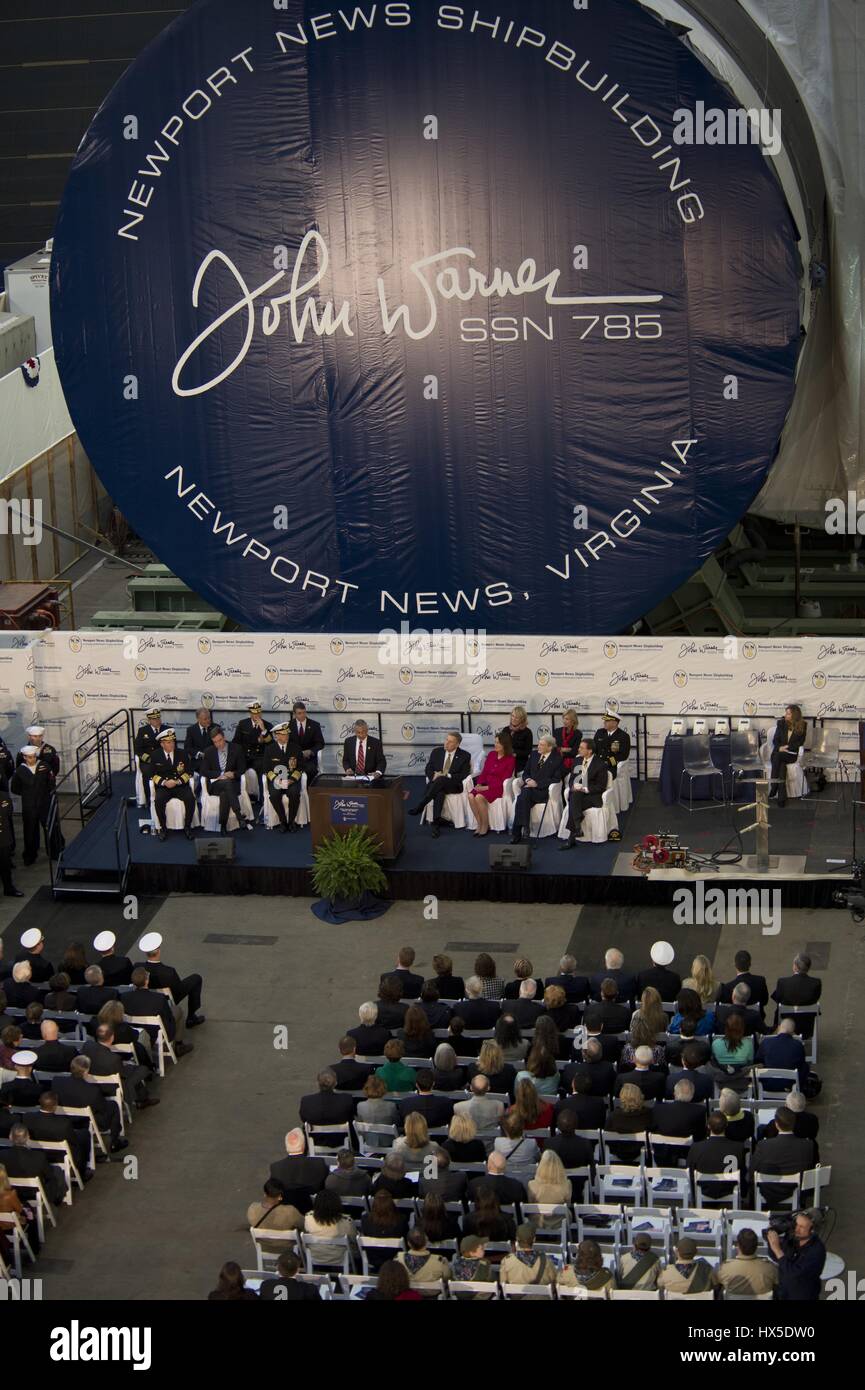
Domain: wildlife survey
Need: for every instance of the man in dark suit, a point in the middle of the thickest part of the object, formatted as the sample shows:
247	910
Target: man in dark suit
449	1183
614	1015
593	1031
710	1156
614	969
94	993
659	976
475	1011
592	1063
7	845
171	780
21	1162
54	1055
20	990
650	1080
783	1051
785	1153
362	754
576	986
307	735
449	985
76	1092
805	1123
759	997
197	740
252	737
164	976
612	743
391	1009
526	1009
508	1190
116	970
587	784
222	768
327	1106
370	1035
752	1020
587	1106
299	1176
143	1002
33	950
350	1075
446	770
693	1059
348	1180
799	989
574	1151
681	1118
436	1110
48	1125
543	770
687	1037
105	1062
438	1013
411	984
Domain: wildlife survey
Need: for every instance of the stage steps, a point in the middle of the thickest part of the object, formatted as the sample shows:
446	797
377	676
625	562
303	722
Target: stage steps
80	883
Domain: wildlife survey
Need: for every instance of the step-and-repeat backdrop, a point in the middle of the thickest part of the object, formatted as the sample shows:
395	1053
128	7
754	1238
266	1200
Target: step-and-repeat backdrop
421	683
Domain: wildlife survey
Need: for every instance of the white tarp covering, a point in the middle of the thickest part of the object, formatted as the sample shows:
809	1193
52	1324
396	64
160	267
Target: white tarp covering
32	418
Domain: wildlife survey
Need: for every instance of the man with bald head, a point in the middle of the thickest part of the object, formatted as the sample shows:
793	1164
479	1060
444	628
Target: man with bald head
543	770
614	969
53	1054
507	1189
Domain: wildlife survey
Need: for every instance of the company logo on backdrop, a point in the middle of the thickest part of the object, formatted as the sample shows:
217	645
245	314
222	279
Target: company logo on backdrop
406	675
208	700
339	702
818	680
204	644
611	650
542	678
566	274
29	690
680	678
749	707
271	674
337	646
79	699
408	731
749	650
75	644
475	704
140	673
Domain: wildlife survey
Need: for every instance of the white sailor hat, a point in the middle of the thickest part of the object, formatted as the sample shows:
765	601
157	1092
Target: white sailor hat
611	714
28	751
662	953
256	704
30	939
150	942
35	731
24	1059
105	941
153	711
278	728
164	734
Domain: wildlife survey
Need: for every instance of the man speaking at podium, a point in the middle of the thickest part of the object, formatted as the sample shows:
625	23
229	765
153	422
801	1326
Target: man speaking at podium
362	755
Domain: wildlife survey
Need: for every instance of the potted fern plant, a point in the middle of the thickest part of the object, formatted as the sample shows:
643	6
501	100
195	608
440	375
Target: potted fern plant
348	877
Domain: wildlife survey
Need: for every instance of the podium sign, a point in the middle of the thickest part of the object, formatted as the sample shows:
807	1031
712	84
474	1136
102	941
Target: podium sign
337	804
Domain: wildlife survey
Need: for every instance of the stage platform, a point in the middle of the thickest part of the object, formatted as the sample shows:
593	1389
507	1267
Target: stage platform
805	837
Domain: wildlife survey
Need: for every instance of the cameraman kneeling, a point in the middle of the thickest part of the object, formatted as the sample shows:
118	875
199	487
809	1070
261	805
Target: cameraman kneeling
800	1256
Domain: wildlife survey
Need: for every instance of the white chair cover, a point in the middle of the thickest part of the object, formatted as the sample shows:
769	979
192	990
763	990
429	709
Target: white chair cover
268	814
599	821
454	809
175	814
474	745
622	786
210	810
540	825
797	783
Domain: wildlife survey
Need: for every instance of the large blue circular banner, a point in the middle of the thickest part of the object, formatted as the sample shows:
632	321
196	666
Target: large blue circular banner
468	317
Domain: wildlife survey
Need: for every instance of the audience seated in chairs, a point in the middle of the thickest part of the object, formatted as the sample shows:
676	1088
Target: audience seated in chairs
527	1264
392	1178
395	1074
347	1180
286	1287
462	1144
447	1076
328	1221
422	1265
534	1110
414	1145
640	1266
689	1272
383	1221
449	985
231	1286
508	1035
273	1213
394	1285
690	1006
416	1034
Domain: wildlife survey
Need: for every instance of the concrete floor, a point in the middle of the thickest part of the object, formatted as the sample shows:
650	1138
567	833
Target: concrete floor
203	1154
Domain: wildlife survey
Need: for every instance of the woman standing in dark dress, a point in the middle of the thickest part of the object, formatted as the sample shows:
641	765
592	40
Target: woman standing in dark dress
789	737
522	739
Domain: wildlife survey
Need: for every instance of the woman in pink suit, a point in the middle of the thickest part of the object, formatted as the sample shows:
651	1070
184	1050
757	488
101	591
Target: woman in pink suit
499	766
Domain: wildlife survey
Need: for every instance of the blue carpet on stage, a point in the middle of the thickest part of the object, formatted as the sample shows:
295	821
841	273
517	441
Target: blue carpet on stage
457	851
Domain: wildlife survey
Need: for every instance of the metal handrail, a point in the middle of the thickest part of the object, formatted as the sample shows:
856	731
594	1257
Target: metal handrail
121	831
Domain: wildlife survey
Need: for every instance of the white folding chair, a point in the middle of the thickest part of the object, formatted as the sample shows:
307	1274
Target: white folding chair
159	1035
731	1182
796	1011
705	1226
764	1075
707	1297
13	1227
269	813
375	1138
791	1182
814	1180
394	1244
70	1171
313	1246
473	1288
36	1192
454	809
668	1187
210	808
635	1295
620	1182
648	1221
317	1147
266	1259
741	1220
599	821
517	1291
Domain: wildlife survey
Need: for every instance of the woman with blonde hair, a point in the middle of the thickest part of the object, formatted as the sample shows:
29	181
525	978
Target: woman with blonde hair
704	981
462	1142
414	1145
550	1187
787	740
521	736
630	1116
491	1063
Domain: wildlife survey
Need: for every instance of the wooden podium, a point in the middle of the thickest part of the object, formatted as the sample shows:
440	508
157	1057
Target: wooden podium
337	804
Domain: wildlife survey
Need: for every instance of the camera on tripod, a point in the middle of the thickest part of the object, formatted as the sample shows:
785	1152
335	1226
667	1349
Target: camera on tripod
853	898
